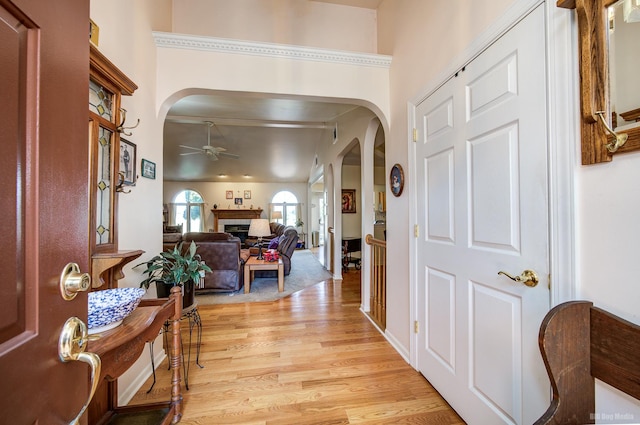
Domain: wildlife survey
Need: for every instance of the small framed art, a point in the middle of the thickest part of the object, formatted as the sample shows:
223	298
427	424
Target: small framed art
348	201
148	169
247	194
128	162
396	180
229	194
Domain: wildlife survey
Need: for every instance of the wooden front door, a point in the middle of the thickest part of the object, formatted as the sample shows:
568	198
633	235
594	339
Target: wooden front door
44	69
482	155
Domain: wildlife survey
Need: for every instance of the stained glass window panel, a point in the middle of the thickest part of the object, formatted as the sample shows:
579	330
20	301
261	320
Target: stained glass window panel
100	101
103	187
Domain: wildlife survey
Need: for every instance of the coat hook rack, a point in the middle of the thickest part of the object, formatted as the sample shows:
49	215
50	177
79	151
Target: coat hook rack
620	138
121	128
119	186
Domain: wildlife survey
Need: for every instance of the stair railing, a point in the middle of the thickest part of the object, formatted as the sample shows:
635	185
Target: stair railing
378	293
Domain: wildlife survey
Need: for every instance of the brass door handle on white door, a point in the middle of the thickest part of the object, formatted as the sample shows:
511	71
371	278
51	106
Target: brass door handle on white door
528	277
73	281
71	347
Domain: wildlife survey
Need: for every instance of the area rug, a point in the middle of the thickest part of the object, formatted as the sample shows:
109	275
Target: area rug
306	270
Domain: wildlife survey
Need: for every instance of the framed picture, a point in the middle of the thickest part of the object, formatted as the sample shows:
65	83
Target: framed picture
229	194
348	201
247	194
148	169
237	201
396	180
128	162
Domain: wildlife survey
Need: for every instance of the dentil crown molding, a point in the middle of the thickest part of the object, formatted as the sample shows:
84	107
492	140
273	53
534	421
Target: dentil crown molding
214	44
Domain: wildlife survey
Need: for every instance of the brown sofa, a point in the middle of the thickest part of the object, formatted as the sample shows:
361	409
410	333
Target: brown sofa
223	254
276	229
287	242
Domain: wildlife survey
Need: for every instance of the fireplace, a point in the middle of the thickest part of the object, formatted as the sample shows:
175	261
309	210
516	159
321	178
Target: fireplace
239	230
237	214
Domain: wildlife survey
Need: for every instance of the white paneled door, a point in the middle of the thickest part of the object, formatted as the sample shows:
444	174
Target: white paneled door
481	164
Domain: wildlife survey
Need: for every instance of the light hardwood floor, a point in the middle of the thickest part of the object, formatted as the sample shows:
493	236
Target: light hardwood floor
311	358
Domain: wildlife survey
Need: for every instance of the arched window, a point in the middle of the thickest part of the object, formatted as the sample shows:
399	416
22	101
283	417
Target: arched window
285	209
188	211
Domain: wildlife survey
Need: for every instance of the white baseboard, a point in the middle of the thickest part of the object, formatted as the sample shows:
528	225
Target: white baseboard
391	339
398	346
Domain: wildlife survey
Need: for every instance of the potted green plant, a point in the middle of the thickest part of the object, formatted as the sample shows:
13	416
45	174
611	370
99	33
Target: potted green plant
177	267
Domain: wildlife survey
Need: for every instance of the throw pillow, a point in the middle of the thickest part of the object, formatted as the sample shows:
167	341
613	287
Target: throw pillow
273	244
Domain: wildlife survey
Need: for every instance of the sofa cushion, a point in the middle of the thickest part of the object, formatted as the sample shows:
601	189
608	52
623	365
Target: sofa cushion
173	229
276	228
171	237
244	255
207	236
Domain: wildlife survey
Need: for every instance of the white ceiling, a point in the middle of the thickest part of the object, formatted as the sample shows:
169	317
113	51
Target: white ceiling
275	138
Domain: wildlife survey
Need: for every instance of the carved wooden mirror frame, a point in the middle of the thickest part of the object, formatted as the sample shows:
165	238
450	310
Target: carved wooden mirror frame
593	58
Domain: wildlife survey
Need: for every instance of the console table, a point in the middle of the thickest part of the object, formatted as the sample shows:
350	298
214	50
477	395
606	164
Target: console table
238	213
120	347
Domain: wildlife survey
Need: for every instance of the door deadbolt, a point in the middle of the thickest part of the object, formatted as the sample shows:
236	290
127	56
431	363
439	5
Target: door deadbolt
73	281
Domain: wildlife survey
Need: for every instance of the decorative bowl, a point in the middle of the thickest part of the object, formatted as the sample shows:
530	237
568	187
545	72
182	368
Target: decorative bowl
109	307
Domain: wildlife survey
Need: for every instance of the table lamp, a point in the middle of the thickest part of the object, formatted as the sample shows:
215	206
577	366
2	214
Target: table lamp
259	228
277	215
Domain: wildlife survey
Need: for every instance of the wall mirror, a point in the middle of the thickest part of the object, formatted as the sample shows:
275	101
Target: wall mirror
608	31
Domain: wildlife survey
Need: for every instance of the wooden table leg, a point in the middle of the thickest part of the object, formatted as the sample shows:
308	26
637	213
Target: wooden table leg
247	279
280	277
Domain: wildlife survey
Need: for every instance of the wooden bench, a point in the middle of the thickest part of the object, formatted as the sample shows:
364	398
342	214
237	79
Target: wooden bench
579	343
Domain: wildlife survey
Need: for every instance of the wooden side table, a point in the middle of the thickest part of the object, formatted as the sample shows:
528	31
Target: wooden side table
254	264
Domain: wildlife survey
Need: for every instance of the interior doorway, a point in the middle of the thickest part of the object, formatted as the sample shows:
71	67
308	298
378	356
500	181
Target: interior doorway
351	208
318	213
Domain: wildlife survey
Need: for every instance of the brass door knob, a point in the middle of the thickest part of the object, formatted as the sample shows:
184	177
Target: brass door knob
71	347
528	277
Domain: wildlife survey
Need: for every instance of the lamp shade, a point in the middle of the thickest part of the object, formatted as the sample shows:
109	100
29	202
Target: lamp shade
276	215
259	227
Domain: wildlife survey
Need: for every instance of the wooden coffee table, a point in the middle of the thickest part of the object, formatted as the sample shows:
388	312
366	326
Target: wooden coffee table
254	264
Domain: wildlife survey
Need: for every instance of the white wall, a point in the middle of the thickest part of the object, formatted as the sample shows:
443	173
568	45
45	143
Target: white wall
609	235
214	193
305	23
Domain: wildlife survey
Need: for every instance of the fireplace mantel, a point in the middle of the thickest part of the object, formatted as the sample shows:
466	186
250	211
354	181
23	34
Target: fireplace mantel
219	214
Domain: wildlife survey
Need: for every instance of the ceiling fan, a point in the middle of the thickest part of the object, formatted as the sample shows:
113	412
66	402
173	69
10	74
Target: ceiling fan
211	151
